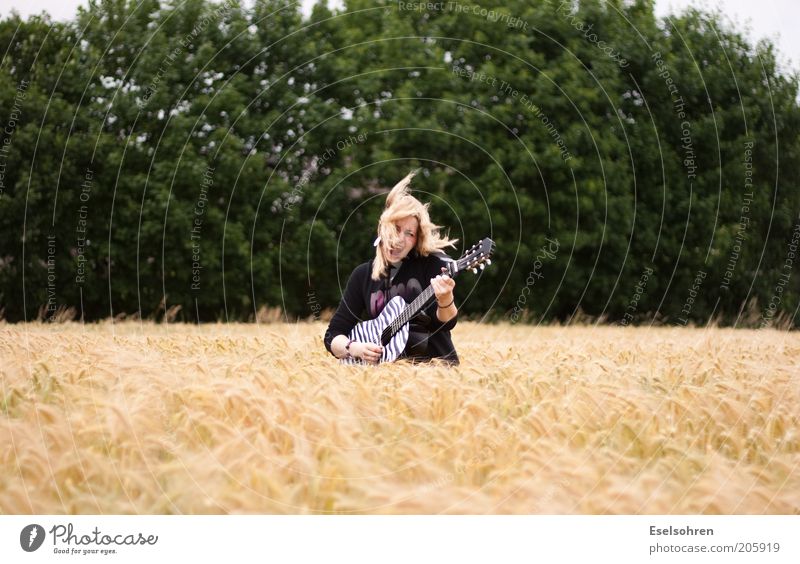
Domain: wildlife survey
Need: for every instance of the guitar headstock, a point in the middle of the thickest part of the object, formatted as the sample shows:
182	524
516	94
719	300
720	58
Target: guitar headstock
477	257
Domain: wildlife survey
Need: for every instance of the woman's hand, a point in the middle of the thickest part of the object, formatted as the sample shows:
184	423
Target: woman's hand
368	352
443	288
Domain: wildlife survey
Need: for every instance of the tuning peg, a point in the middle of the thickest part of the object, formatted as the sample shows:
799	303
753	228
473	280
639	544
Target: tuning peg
488	261
474	271
482	266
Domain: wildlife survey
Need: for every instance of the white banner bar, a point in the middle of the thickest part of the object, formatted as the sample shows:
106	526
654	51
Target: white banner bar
400	539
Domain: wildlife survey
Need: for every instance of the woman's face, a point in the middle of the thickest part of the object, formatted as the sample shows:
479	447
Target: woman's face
407	233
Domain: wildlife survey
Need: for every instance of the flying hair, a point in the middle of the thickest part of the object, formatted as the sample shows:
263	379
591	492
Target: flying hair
400	204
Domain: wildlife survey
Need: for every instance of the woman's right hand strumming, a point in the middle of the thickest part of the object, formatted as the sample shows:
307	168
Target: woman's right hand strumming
368	352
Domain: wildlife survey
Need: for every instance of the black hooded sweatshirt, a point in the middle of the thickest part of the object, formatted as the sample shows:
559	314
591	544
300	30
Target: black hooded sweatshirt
364	299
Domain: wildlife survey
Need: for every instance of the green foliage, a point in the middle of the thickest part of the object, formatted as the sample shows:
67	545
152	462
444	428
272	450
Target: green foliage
203	160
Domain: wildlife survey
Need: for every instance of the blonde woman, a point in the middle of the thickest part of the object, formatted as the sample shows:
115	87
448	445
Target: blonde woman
408	257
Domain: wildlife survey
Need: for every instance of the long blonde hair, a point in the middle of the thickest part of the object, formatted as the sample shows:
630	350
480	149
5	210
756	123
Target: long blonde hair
400	204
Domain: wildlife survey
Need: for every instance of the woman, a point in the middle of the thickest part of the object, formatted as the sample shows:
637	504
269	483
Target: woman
408	258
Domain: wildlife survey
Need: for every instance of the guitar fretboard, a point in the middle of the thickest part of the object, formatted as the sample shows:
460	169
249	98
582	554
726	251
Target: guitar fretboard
412	309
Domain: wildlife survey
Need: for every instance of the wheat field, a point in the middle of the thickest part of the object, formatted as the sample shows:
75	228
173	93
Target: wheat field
242	418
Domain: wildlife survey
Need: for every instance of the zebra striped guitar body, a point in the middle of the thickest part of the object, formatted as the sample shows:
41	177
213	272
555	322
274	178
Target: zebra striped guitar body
371	331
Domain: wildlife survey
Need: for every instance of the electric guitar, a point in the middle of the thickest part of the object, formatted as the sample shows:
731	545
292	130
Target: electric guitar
390	328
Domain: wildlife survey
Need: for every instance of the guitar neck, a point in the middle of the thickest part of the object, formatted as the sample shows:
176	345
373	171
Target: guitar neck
412	309
477	256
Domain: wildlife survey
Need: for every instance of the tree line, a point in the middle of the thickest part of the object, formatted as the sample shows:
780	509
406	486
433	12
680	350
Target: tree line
202	161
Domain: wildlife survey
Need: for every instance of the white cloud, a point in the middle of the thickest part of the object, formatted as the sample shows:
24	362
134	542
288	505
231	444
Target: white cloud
773	19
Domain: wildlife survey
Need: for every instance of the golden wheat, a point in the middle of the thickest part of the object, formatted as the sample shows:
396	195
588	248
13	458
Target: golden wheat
144	418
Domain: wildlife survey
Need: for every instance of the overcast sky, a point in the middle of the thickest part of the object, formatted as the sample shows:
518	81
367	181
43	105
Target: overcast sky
776	19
